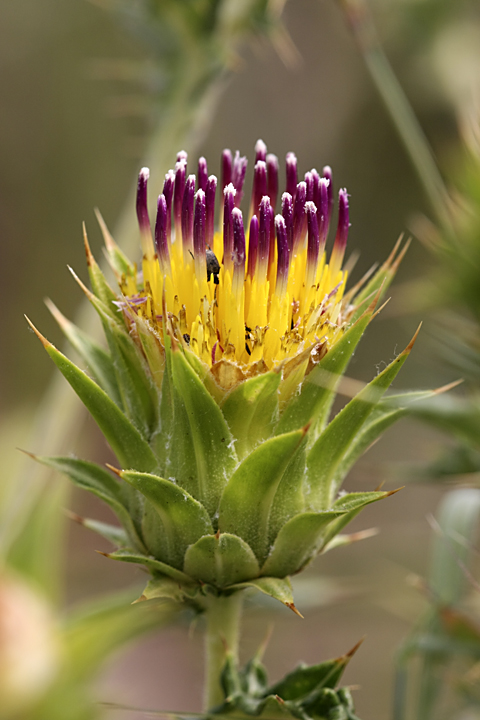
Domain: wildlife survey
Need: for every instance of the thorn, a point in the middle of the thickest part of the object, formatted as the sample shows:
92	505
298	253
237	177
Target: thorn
392	492
264	644
291	606
73	516
371	308
380	308
58	316
102	553
142	598
379	487
355	289
388	262
88	252
107	238
87	292
217	535
352	652
25	452
412	342
115	470
450	386
46	343
280	700
363	534
402	254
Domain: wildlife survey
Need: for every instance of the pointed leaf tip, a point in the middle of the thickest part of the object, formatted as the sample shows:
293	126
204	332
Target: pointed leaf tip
30	455
46	343
412	341
291	606
142	598
354	649
107	238
377	312
401	255
82	285
88	252
391	257
392	492
448	387
115	470
73	516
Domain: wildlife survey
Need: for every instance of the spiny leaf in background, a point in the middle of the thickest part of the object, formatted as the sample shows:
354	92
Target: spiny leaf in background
305	693
447	639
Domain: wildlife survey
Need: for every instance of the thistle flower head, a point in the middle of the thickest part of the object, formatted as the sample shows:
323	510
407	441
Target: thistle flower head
260	291
221	370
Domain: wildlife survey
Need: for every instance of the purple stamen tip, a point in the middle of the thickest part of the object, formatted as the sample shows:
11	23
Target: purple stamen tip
287	212
259	189
266	212
187	213
199	232
299	219
168	186
228	206
260	151
323	208
310	183
238	176
272	178
202	173
343	221
142	208
313	241
291	172
238	238
227	167
327	173
161	229
313	233
210	192
253	246
283	254
179	189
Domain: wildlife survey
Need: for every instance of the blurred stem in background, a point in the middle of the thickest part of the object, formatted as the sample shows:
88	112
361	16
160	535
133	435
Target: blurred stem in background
361	24
193	47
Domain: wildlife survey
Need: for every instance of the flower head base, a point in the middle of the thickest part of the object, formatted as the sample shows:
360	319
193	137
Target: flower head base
256	294
221	370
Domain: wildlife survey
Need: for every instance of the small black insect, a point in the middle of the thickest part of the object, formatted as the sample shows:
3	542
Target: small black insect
213	266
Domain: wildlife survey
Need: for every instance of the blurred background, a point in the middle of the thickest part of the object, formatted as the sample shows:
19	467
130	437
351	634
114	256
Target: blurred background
74	125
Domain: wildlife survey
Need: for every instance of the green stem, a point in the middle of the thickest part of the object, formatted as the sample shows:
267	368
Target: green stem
223	615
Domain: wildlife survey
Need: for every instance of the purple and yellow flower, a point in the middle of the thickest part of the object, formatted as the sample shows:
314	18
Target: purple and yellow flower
262	291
